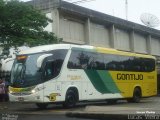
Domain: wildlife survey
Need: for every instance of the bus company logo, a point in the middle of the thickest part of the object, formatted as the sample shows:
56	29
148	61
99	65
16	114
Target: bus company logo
74	77
129	76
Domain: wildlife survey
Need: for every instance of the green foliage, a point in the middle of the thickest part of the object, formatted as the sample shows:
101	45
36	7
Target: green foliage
20	23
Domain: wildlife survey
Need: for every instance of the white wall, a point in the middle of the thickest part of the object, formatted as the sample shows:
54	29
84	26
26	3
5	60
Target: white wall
155	46
140	43
122	40
72	31
99	35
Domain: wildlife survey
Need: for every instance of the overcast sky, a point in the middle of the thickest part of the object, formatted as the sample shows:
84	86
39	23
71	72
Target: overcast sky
117	8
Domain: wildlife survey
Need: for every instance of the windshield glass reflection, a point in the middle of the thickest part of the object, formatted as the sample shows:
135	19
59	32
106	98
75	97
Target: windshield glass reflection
25	72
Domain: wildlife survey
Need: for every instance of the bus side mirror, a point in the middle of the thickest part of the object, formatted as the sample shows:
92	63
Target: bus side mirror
41	58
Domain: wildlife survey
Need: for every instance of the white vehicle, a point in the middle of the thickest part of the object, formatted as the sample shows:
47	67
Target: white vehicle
71	73
7	62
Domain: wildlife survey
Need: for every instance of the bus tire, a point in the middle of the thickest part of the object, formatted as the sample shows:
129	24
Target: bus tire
136	96
42	105
70	100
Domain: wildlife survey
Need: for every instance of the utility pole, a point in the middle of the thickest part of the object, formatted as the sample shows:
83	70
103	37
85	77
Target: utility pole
126	9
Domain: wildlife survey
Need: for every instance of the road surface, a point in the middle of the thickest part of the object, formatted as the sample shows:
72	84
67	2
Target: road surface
23	111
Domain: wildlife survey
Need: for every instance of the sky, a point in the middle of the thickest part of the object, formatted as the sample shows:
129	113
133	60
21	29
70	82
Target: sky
117	8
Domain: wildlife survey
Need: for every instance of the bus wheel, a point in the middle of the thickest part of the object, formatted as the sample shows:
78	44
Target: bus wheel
70	100
42	105
136	96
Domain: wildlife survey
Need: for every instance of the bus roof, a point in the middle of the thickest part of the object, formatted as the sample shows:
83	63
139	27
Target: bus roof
44	48
120	52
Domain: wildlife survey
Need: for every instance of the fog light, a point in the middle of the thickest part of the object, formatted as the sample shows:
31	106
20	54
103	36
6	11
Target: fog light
10	92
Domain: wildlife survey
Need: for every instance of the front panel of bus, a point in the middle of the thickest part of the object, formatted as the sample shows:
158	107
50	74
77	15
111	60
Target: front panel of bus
30	83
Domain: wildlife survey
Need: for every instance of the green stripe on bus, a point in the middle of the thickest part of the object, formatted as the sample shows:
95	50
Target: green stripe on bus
108	81
96	81
102	81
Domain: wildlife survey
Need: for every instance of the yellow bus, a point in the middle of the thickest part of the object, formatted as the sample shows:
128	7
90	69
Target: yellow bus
69	73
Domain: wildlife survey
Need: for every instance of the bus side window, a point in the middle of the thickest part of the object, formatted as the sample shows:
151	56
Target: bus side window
120	67
76	60
99	61
48	72
112	67
52	68
137	68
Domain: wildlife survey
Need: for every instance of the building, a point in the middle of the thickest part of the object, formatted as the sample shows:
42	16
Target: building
75	24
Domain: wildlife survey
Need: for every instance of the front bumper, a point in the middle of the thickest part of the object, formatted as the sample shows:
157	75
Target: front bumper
26	98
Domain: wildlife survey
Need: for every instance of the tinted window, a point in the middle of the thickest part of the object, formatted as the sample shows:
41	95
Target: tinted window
53	64
98	61
85	60
78	60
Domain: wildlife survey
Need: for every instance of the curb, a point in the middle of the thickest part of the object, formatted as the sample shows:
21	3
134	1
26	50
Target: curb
97	116
103	116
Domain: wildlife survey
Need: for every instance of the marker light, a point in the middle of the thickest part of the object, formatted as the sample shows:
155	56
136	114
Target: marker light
22	57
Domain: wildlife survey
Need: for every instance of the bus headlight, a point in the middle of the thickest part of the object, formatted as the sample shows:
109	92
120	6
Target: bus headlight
37	90
33	91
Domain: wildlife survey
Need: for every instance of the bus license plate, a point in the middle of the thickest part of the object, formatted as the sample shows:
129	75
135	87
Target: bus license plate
20	99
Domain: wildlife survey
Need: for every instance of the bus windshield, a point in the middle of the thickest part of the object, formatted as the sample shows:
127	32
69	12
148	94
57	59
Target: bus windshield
25	72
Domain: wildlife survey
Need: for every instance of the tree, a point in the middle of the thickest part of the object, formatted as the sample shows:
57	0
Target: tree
21	24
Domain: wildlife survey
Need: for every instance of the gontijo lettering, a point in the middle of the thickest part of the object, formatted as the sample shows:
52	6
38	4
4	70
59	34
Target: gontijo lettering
129	76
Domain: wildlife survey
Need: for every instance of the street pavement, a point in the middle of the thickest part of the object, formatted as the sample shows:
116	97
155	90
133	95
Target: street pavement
148	108
37	117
